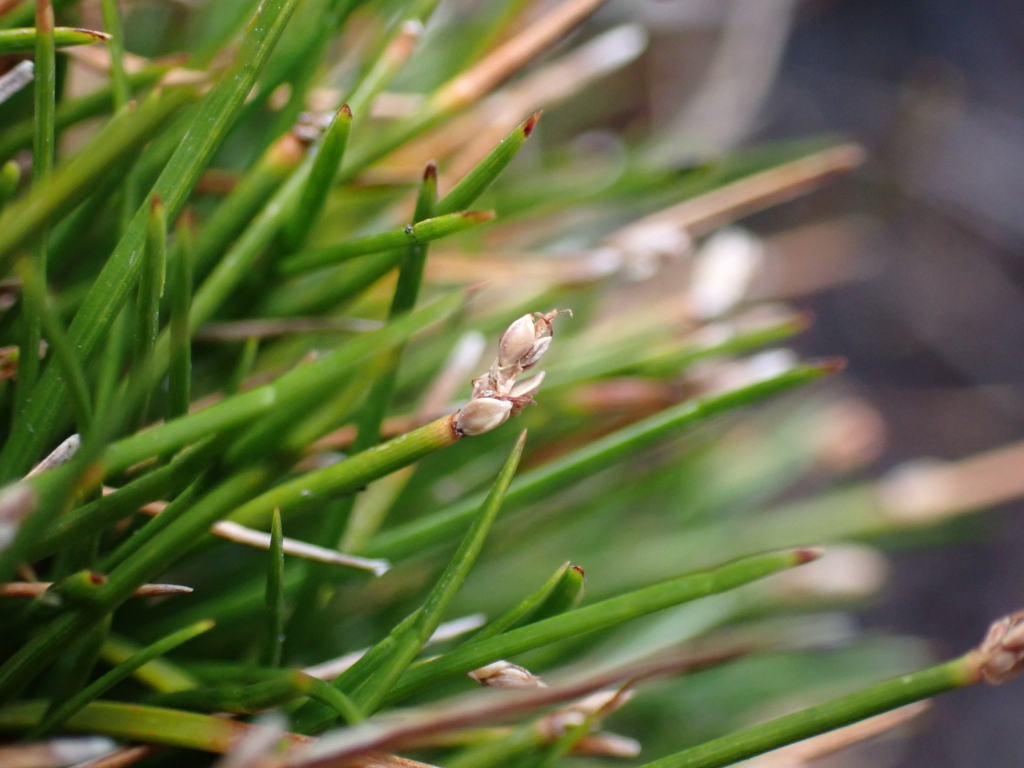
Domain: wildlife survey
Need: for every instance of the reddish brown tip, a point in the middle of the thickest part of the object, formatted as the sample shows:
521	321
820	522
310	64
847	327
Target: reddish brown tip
97	578
531	123
803	320
345	111
479	216
100	36
807	554
155	202
430	171
187	219
832	364
579	570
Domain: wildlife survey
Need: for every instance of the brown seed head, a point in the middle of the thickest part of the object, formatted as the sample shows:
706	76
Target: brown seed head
1000	657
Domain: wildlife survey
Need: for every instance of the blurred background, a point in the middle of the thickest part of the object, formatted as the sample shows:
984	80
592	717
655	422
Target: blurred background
930	311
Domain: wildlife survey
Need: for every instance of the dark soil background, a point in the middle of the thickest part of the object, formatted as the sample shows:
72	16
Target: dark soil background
935	338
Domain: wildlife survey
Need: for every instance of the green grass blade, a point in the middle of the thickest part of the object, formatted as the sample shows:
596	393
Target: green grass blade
72	111
764	737
524	608
567	594
10	177
537	483
71	183
138	723
22	14
24	40
115	352
324	290
254	189
151	285
487	170
115	46
414	234
97	515
306	381
275	595
341	518
64	354
160	675
212	121
601	615
244	366
327	157
376	687
179	384
312	488
76	703
45	90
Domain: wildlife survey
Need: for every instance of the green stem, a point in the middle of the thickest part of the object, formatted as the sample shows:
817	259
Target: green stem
10	177
115	46
151	289
210	125
34	291
601	615
326	158
139	723
347	476
45	86
245	200
73	111
76	703
538	483
823	717
414	234
306	381
25	40
179	385
275	595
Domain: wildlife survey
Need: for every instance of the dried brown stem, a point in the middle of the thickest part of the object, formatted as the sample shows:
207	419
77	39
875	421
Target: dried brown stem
504	61
413	725
36	588
710	211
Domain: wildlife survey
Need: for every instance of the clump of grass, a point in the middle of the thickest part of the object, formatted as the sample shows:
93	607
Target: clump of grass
240	338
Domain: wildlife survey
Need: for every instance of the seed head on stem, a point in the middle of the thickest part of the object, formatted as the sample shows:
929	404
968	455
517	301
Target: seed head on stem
497	395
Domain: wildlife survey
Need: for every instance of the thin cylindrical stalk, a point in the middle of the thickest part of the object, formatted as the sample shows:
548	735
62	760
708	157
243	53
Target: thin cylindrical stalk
324	167
210	124
246	199
115	46
27	39
585	461
34	291
151	289
179	386
414	234
275	594
42	167
115	352
76	703
349	475
10	176
823	717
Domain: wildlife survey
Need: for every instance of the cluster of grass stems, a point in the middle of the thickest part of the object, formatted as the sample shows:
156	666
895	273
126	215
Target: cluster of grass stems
232	366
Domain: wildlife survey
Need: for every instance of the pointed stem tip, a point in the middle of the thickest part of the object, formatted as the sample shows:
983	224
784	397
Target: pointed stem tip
832	365
531	123
430	171
807	554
